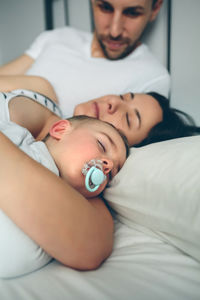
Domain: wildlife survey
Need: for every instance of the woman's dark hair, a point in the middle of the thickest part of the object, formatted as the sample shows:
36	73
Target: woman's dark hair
175	124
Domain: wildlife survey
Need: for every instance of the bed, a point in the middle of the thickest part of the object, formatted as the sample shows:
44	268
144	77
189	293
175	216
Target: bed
155	200
156	251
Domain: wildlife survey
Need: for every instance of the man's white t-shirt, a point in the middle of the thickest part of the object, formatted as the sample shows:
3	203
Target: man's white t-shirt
63	56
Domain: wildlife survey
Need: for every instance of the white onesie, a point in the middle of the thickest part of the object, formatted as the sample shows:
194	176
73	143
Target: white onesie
19	254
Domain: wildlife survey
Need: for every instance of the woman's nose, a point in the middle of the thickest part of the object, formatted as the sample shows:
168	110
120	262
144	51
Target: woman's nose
114	105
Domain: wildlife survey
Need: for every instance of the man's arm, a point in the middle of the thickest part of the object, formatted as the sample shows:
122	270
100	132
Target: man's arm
77	232
18	66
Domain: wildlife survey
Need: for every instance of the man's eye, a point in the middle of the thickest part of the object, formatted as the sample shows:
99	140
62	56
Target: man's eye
101	145
132	13
105	7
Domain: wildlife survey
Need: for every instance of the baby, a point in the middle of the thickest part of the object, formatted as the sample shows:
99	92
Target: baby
72	149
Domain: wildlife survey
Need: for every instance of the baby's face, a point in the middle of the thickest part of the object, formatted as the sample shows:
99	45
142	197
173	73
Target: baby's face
90	140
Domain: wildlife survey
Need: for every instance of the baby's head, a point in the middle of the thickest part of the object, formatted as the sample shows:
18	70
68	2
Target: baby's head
73	143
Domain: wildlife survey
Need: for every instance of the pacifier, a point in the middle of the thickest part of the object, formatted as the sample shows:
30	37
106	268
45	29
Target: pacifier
94	176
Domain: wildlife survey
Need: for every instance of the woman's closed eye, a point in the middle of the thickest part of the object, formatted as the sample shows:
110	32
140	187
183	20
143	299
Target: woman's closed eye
138	118
127	115
128	120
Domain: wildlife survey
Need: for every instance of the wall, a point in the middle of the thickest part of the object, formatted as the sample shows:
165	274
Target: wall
68	12
79	14
20	22
185	61
156	35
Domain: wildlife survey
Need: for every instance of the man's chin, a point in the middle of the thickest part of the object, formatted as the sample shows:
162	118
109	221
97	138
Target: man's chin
112	56
115	54
110	53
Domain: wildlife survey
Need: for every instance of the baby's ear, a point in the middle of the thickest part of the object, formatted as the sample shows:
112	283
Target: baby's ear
59	128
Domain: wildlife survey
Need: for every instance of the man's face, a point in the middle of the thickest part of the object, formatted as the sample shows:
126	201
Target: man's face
119	24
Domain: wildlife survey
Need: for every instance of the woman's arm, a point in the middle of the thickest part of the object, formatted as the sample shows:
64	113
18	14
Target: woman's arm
77	232
28	113
34	83
18	66
32	115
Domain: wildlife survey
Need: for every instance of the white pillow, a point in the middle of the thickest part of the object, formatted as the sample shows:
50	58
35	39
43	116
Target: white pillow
158	188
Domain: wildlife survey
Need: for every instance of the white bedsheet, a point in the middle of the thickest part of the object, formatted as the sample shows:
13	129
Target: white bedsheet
141	267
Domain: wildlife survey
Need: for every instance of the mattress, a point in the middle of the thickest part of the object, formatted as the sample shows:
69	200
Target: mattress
140	267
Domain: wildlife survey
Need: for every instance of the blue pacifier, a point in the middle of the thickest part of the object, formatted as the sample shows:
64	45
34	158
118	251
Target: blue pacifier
94	175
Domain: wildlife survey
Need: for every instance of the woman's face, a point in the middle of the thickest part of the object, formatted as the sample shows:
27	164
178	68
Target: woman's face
133	114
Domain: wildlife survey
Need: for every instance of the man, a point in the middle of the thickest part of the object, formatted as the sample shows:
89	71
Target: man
118	34
112	60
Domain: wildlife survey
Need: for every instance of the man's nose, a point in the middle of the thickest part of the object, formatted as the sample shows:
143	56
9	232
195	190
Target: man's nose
116	25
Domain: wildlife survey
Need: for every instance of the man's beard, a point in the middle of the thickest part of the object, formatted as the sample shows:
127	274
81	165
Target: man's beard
126	52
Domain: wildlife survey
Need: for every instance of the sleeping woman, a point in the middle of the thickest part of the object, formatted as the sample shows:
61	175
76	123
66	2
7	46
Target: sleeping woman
74	230
143	118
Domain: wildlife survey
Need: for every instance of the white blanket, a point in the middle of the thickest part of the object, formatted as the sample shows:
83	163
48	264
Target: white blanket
141	267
